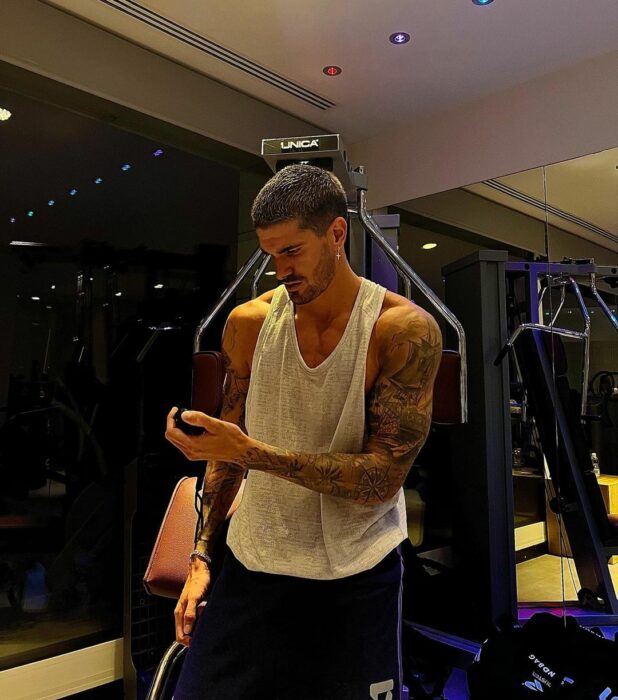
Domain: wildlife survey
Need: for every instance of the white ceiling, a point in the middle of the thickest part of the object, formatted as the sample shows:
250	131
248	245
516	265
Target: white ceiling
459	52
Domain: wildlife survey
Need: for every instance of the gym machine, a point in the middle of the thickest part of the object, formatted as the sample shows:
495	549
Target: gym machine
563	419
371	255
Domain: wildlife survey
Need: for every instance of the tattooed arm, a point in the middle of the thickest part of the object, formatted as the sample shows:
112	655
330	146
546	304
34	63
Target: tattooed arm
398	418
222	480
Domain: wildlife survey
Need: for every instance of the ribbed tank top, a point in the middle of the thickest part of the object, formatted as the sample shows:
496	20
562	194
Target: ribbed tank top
281	527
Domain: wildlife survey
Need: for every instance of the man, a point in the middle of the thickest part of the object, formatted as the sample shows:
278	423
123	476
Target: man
327	402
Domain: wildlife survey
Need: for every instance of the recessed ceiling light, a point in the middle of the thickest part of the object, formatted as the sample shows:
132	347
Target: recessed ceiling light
158	152
399	38
30	213
31	243
271	273
331	70
118	294
12	219
51	202
429	246
482	2
5	115
73	192
36	298
53	286
98	181
158	286
125	167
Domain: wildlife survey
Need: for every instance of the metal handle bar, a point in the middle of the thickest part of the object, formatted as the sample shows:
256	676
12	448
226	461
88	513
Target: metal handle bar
242	273
593	288
408	273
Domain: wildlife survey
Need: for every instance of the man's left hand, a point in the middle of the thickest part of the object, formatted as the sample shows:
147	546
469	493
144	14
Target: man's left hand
222	441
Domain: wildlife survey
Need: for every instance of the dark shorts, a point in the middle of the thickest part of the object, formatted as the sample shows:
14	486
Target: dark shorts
267	636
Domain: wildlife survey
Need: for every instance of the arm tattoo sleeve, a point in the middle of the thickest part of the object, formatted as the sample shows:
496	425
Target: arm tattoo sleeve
398	417
222	479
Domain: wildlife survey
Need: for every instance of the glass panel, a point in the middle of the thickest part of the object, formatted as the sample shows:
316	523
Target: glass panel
129	243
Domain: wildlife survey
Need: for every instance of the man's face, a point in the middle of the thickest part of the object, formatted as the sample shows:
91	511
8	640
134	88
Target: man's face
298	255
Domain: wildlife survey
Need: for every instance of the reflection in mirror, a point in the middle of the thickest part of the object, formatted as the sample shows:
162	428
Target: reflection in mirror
567	214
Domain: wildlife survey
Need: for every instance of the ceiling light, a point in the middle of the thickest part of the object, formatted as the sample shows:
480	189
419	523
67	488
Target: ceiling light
51	202
158	286
271	273
331	70
73	192
5	115
12	219
118	294
36	298
158	152
125	167
53	286
98	181
429	246
482	2
25	243
30	213
399	38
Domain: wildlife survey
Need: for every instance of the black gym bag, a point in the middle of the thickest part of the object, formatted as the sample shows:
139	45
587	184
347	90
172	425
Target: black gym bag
548	657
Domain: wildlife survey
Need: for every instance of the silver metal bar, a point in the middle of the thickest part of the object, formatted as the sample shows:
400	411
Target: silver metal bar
586	367
408	273
593	288
161	675
407	286
567	332
205	322
560	305
258	276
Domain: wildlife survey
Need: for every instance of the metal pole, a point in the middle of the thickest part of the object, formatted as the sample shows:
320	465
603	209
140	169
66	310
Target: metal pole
408	273
593	288
205	322
258	276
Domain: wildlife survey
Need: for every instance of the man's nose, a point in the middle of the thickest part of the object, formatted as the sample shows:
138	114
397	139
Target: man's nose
284	272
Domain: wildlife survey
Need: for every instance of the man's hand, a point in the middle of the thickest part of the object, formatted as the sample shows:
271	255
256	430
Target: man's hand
192	600
222	441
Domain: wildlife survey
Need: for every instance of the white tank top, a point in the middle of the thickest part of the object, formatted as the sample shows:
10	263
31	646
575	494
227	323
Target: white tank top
281	527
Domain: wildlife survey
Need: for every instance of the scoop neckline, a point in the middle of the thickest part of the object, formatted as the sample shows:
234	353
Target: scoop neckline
344	335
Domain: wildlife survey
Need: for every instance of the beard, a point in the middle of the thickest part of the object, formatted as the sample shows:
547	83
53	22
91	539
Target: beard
323	276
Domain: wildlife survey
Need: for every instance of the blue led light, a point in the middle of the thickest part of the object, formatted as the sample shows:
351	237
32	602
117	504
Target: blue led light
482	2
399	38
31	213
98	181
158	152
73	192
51	202
125	167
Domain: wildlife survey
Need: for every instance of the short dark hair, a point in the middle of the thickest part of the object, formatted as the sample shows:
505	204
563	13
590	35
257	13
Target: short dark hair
310	194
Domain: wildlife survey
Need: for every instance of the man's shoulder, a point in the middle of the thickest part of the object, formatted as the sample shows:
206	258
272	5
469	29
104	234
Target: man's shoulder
247	319
402	320
254	311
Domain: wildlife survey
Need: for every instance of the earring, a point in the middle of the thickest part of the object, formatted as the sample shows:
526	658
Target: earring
338	256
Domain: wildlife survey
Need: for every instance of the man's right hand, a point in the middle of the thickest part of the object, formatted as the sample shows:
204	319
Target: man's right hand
193	593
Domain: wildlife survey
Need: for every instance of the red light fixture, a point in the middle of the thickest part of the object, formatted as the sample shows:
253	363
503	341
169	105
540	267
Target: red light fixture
331	70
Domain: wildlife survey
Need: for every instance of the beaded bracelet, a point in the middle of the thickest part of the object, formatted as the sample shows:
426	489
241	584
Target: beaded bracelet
204	557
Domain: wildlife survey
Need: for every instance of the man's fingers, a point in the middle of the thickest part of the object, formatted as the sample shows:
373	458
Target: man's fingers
189	619
196	418
179	614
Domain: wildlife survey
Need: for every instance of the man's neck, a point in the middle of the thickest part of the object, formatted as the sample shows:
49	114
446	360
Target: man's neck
337	300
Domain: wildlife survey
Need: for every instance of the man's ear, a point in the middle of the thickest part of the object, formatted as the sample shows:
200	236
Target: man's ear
339	227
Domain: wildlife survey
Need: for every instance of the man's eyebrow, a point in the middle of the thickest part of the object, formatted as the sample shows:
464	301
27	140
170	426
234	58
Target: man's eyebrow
283	250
